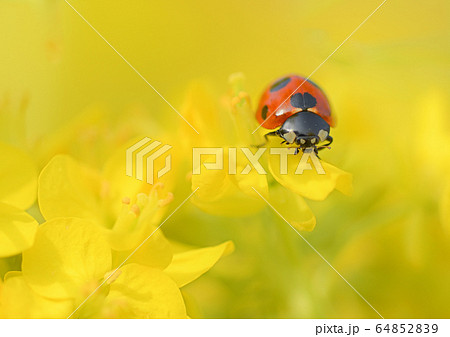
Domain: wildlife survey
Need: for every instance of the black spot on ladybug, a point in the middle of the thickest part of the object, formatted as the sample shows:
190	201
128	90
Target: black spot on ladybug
264	111
304	101
297	100
280	84
310	101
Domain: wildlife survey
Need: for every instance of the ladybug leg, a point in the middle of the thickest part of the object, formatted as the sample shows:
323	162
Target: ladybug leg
316	151
329	139
308	149
266	137
273	133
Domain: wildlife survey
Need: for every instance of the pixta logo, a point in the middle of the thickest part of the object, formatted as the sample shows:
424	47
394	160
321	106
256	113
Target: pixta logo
143	155
253	159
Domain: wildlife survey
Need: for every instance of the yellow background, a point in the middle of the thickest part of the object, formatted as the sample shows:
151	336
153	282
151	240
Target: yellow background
388	86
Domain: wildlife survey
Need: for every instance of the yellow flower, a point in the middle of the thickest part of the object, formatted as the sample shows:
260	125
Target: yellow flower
18	179
17	230
127	210
90	249
18	300
221	192
67	255
70	259
189	265
144	292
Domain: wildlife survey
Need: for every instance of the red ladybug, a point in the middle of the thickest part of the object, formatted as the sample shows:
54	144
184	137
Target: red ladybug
299	109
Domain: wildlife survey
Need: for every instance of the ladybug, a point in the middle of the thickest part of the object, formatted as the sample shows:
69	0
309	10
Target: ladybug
300	112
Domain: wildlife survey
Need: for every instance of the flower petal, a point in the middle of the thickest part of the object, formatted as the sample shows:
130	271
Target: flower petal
156	252
190	265
309	183
18	300
224	194
200	108
68	189
233	201
293	208
68	253
18	177
144	292
17	230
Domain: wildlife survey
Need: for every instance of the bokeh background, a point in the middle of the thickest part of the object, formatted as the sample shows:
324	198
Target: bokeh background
388	86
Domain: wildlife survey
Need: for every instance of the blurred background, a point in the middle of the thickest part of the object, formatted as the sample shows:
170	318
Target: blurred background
388	87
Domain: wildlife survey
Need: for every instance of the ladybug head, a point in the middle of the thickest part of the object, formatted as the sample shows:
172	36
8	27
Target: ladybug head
305	129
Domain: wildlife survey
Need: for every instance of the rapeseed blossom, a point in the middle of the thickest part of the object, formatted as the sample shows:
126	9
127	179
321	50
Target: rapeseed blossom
87	235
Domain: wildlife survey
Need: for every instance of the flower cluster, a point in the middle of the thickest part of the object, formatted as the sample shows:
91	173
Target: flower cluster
99	241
